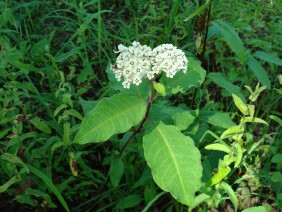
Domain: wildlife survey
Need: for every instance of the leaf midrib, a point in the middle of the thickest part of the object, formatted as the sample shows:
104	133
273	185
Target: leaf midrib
112	118
173	159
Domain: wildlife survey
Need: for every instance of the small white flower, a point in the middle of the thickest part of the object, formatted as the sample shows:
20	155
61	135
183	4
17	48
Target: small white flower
126	84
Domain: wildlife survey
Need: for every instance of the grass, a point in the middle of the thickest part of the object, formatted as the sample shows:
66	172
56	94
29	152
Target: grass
53	61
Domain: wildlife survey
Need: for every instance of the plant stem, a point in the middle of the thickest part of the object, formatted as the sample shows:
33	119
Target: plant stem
149	103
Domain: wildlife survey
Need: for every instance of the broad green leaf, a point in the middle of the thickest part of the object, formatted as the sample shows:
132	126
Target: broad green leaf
222	171
113	115
240	104
183	120
174	161
253	120
10	182
181	82
228	86
198	11
268	57
219	147
159	87
200	199
235	130
116	171
218	119
129	201
231	194
258	71
40	124
232	39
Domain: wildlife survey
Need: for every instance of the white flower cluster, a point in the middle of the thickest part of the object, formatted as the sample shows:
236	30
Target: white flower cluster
169	59
137	61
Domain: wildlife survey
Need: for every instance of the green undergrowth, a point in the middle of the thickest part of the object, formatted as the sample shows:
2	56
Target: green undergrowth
55	61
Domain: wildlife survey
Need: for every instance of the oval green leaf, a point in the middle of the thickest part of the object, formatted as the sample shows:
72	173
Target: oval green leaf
113	115
174	161
240	104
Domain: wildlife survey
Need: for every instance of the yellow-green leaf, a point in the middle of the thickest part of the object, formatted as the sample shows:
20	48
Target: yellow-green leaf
240	104
159	87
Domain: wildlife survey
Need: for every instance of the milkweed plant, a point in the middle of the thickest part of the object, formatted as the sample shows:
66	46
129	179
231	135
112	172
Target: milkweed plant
170	149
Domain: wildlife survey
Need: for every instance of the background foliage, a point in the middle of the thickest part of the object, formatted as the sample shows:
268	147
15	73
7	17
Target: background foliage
54	68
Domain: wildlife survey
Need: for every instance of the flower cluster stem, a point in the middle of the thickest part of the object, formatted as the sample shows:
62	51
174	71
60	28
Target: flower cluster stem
149	103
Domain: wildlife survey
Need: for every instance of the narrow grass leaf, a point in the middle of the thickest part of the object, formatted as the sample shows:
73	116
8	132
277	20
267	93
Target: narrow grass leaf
49	184
231	194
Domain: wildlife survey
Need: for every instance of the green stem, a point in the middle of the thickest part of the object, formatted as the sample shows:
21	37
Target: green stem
149	103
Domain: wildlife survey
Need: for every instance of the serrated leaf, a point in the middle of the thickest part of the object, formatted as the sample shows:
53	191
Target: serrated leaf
116	171
219	147
113	115
174	161
231	194
240	104
181	82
